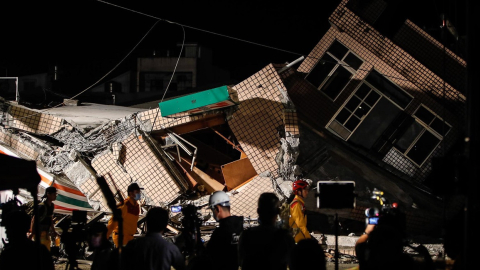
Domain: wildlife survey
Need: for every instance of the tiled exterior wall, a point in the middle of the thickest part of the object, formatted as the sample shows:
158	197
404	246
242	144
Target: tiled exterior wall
34	122
259	115
432	54
136	163
245	202
393	55
395	64
154	115
16	143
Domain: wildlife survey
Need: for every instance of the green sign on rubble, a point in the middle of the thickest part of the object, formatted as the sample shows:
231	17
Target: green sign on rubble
212	99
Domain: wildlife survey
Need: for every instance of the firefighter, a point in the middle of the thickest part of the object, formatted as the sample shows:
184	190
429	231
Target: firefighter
298	219
130	212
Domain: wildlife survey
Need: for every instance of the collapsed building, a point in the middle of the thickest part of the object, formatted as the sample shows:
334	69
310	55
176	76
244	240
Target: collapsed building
362	107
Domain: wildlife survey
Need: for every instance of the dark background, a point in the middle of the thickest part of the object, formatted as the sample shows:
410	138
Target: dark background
87	38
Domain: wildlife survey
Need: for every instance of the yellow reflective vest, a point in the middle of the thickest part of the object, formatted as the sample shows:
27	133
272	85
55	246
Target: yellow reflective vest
298	219
130	212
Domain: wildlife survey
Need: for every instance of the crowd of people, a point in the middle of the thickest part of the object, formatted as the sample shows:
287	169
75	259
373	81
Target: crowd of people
266	246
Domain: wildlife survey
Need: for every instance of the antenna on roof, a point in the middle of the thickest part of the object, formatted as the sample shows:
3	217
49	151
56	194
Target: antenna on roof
291	64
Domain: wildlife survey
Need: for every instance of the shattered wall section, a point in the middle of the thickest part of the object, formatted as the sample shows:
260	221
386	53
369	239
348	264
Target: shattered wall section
99	138
256	121
132	160
23	145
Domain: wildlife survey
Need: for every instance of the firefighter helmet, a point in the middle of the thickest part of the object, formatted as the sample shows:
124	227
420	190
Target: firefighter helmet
299	184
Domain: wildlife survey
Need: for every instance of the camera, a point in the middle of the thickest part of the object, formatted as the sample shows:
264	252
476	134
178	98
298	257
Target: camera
387	213
189	241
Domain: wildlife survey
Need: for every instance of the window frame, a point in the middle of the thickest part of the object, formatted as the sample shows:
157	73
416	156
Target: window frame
340	64
426	128
400	88
372	89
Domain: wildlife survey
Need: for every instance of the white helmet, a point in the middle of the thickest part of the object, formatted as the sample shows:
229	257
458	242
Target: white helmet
219	198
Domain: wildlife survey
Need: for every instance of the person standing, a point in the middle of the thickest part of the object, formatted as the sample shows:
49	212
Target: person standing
152	251
130	212
223	244
265	247
45	218
298	219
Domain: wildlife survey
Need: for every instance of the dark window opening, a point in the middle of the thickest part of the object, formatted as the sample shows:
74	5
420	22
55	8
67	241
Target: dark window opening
372	98
353	61
363	91
410	134
338	50
425	115
345	65
362	110
321	70
423	147
343	116
389	89
352	123
353	103
335	84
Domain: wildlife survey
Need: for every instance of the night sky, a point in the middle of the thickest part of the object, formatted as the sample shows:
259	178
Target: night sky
87	38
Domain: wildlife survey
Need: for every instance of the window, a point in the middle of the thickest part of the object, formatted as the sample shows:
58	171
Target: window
355	110
363	100
389	89
334	71
422	136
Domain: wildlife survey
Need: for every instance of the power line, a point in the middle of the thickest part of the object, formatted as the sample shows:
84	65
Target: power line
247	41
202	30
175	69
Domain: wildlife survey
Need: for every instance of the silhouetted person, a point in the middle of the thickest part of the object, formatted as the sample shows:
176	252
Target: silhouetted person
101	247
222	248
21	252
45	218
152	251
308	254
265	246
381	246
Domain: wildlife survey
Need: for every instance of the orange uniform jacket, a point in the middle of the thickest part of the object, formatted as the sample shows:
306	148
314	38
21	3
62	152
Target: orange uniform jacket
298	219
130	212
